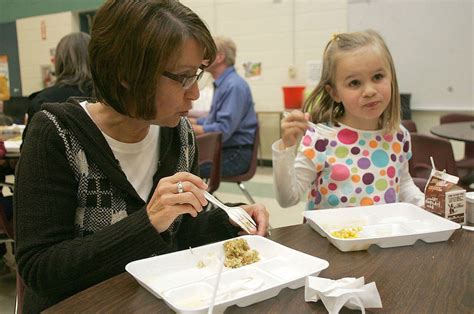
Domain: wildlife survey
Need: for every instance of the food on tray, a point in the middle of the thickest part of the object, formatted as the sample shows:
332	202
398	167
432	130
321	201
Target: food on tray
347	233
238	253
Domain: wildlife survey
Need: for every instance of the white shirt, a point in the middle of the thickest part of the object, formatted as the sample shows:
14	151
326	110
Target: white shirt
139	161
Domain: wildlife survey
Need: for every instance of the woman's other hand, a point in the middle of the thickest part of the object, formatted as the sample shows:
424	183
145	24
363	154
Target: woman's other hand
261	217
293	127
182	193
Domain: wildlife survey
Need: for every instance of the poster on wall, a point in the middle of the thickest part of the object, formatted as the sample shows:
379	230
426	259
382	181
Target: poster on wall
253	70
4	78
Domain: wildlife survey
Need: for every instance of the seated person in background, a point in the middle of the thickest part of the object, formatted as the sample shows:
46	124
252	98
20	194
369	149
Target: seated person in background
104	182
73	75
232	113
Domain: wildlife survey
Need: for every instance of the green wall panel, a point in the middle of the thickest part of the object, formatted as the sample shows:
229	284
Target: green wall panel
10	10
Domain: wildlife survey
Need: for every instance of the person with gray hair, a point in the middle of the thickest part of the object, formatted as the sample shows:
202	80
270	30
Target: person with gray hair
72	71
232	112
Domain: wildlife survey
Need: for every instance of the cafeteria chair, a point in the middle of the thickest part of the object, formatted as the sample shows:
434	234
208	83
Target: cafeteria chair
425	146
467	162
209	151
410	125
239	179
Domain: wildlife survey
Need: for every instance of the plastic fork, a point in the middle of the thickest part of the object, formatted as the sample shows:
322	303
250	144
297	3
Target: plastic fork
320	128
236	214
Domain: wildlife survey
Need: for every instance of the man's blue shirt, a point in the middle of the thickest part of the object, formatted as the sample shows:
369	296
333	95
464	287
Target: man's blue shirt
232	110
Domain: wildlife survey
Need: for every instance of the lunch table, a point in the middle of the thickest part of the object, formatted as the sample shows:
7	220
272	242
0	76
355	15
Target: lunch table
422	278
459	131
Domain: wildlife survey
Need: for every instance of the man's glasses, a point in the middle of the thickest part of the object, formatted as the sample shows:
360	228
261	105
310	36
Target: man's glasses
186	81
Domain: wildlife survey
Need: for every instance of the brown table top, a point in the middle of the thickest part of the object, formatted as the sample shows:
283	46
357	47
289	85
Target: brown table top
423	278
460	131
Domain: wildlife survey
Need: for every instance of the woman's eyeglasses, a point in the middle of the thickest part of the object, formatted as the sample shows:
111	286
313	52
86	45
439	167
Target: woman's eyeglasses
186	81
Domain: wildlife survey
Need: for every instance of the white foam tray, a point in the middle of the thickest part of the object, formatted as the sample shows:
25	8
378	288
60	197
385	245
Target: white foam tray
187	288
388	225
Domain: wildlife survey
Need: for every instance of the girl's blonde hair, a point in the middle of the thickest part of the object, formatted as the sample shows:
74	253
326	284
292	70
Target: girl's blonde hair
321	105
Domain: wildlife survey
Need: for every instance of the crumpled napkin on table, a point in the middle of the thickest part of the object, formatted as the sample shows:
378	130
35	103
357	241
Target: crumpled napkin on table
349	292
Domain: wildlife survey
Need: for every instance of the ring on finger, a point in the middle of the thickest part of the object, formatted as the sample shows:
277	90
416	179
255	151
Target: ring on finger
180	187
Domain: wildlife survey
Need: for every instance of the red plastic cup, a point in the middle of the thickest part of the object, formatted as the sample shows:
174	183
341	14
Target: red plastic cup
293	97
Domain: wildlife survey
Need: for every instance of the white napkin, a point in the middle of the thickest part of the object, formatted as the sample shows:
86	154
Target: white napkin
349	292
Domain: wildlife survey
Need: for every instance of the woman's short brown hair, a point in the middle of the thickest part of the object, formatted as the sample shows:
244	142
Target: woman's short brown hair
131	44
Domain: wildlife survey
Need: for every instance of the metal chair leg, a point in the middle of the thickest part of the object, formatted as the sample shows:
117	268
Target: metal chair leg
246	193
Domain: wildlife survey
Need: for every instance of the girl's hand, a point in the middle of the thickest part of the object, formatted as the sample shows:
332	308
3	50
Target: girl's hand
261	217
293	127
179	194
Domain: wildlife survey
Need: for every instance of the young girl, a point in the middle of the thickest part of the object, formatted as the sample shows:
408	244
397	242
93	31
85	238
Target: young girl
363	160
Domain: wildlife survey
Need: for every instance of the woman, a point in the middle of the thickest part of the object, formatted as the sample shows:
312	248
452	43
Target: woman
73	75
104	182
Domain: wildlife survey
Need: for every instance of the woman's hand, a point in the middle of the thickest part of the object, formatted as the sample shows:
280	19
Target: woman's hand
293	128
182	193
261	217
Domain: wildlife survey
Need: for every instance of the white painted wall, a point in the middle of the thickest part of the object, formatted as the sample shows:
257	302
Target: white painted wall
278	33
33	51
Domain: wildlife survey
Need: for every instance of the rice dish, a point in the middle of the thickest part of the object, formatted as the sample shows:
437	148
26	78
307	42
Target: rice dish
238	253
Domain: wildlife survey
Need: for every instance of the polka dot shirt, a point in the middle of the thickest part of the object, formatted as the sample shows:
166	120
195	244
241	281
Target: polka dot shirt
355	167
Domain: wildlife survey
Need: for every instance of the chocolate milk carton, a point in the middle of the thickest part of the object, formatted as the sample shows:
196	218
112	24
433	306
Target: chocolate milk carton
444	198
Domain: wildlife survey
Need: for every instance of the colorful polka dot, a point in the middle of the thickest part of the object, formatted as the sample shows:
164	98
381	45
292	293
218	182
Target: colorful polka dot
396	147
309	153
340	172
352	200
366	201
381	184
406	147
332	186
391	171
366	153
320	145
385	146
355	150
355	178
363	163
347	136
390	196
373	144
379	158
318	198
377	198
333	200
342	152
368	178
362	142
369	190
307	140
